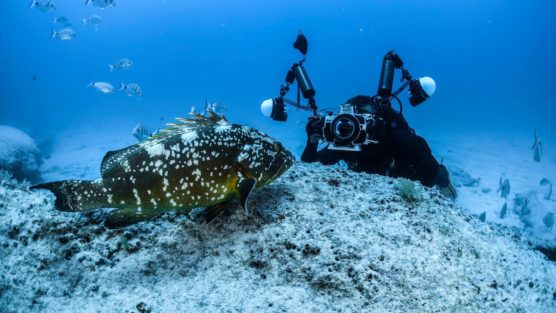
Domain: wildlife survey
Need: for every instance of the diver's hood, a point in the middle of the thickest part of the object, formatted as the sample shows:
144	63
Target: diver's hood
363	104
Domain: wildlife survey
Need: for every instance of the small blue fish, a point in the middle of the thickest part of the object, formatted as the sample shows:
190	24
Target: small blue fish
548	193
123	64
43	6
132	89
214	107
142	133
63	34
548	220
63	21
525	207
504	188
102	3
482	217
504	211
537	148
94	20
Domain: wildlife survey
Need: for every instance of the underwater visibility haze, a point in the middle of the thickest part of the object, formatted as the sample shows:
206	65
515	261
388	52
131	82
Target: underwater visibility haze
493	62
88	87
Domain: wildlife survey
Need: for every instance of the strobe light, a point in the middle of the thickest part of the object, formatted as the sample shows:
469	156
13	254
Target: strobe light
275	109
421	89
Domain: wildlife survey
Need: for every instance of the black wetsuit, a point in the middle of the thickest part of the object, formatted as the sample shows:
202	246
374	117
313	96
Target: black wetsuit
399	153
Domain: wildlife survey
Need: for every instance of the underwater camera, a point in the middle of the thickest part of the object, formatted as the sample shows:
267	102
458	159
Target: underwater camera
351	128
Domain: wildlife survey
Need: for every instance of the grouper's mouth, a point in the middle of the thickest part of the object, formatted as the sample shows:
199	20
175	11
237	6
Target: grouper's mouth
288	162
280	171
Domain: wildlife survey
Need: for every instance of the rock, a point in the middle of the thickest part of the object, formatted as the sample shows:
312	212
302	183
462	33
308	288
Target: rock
19	154
355	246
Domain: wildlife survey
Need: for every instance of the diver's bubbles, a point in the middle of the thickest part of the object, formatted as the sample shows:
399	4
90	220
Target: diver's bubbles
266	107
428	85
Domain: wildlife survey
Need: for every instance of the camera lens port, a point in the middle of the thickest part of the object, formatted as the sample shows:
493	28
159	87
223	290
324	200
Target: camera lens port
345	128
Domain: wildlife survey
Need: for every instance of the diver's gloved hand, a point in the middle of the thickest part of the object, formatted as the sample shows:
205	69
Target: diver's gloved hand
314	129
442	182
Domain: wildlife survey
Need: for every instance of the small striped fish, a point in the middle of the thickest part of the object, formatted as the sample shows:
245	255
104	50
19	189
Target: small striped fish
93	20
132	89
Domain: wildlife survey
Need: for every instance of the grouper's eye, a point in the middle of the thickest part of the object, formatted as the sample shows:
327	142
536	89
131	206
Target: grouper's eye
278	146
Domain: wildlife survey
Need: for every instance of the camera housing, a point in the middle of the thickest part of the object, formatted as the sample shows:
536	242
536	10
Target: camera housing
349	130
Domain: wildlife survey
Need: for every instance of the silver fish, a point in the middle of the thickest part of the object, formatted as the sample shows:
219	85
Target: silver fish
537	148
102	87
94	20
132	89
482	217
504	188
548	193
43	6
504	211
61	20
102	3
548	220
123	64
62	26
214	107
141	132
523	200
64	34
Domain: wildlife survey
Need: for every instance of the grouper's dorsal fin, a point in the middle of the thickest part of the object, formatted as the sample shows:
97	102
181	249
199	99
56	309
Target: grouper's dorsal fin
112	158
196	120
212	118
217	118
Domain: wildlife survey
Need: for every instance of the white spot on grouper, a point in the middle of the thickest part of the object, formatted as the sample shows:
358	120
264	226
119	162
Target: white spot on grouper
189	136
155	150
222	127
136	194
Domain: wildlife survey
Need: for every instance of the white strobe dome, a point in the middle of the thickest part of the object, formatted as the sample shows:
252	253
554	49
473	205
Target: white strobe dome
428	84
266	107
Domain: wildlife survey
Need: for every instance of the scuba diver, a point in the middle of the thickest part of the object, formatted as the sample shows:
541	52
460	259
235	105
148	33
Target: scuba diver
367	134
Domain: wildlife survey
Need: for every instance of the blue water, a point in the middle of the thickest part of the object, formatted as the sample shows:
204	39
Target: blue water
493	61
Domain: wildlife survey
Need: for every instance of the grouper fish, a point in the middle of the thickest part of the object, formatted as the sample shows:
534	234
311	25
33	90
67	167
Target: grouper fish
197	162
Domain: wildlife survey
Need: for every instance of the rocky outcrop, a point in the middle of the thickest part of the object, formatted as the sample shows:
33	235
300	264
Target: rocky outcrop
19	154
320	239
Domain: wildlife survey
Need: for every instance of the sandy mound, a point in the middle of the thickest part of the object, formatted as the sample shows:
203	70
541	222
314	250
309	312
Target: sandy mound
321	239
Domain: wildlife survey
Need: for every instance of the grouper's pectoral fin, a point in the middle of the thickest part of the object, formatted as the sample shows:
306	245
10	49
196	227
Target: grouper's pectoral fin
126	217
244	189
247	180
212	212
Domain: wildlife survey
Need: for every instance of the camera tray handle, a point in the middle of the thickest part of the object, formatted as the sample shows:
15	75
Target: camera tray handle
298	105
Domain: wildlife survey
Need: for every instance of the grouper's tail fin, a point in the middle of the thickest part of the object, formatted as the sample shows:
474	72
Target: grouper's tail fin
76	195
